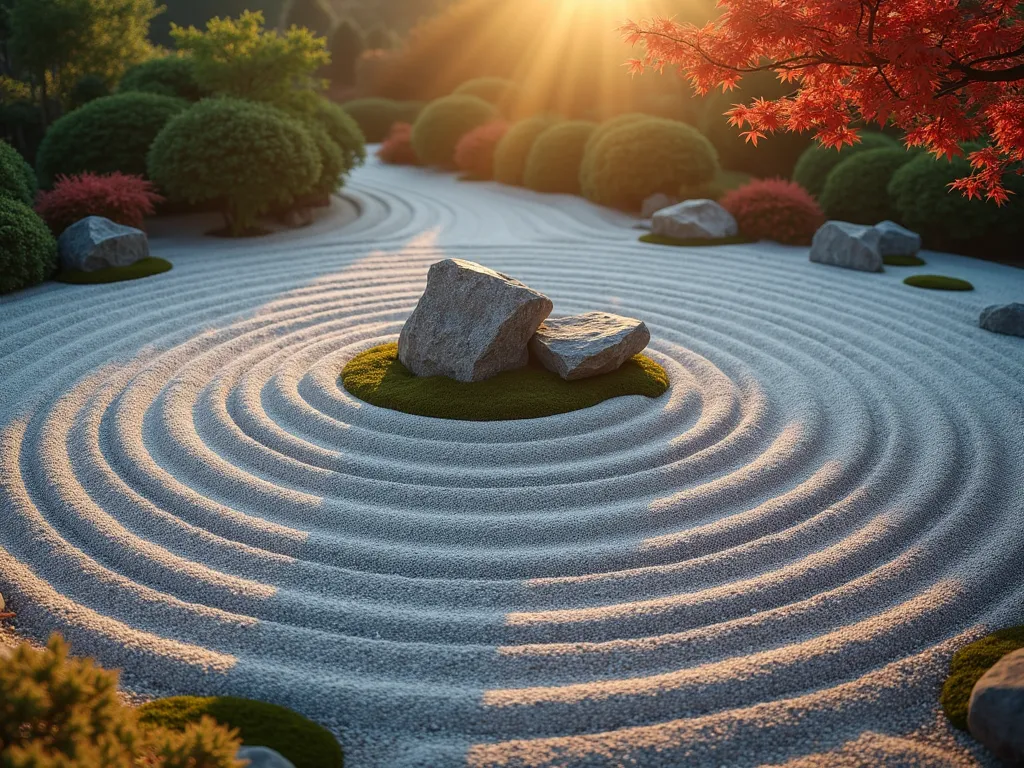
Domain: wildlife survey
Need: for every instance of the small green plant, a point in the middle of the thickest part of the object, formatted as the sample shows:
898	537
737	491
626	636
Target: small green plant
441	124
939	283
513	151
554	161
816	163
857	190
969	664
17	180
141	268
28	252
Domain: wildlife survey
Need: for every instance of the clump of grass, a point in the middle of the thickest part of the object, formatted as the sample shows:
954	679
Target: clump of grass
969	664
693	242
141	268
379	378
903	261
939	283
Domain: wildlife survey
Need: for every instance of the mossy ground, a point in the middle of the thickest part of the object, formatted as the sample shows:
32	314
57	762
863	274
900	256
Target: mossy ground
141	268
969	664
903	261
693	242
939	283
303	742
379	378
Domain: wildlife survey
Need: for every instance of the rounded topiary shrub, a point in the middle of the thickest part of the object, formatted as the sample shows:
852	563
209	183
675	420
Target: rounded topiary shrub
339	140
167	76
514	149
17	180
244	155
557	155
775	209
474	154
816	163
602	130
28	252
498	91
644	157
105	136
857	190
376	116
441	124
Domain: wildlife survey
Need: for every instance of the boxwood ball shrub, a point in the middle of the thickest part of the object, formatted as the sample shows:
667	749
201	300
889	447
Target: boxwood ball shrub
500	92
244	155
513	150
339	140
28	251
441	124
17	180
127	200
557	155
816	163
775	209
474	154
105	136
376	116
167	76
857	190
612	124
638	159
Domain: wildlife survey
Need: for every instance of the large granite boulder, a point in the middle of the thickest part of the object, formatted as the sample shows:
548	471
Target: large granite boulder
895	240
694	219
98	243
582	346
995	713
851	246
657	202
263	757
1003	318
471	323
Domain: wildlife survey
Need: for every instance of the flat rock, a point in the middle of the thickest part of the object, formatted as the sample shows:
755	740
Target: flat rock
851	246
582	346
263	757
694	219
995	713
657	202
471	323
1003	318
896	240
98	243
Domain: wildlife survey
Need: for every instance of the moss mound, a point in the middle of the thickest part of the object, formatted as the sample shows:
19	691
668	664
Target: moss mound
969	664
379	378
903	261
939	283
141	268
299	739
693	242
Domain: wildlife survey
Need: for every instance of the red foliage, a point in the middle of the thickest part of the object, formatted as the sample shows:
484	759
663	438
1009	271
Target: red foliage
775	209
944	72
397	147
124	199
474	154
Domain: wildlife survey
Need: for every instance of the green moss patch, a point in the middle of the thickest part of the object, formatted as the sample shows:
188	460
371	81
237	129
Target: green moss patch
903	261
141	268
939	283
969	664
299	739
379	378
693	242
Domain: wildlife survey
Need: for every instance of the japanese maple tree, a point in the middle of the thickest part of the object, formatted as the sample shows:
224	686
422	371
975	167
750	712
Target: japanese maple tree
943	71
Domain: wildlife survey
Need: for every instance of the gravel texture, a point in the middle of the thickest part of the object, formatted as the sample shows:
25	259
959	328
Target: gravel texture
770	565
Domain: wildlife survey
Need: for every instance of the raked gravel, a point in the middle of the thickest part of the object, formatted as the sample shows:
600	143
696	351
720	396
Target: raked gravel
771	564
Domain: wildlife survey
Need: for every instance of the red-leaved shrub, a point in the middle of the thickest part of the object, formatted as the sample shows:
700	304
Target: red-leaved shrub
775	209
397	148
474	154
124	199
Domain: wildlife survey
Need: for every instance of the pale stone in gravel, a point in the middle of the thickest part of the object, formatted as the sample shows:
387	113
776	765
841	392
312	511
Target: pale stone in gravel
896	240
851	246
995	713
262	757
657	202
97	243
471	323
1003	318
694	218
582	346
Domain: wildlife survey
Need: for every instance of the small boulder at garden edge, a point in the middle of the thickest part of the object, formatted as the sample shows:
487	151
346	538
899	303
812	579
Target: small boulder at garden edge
995	713
896	240
471	323
690	219
98	243
851	246
263	757
1003	318
657	202
582	346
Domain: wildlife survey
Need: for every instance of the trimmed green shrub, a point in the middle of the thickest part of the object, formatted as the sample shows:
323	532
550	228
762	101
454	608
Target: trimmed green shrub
28	252
443	122
137	270
15	176
498	91
603	129
939	283
376	116
969	664
245	155
305	743
557	155
88	88
816	162
107	135
857	190
638	159
513	150
169	76
340	143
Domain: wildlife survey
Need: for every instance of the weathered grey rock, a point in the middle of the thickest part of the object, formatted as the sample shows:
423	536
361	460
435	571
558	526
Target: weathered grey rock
471	323
851	246
1003	318
263	757
97	243
896	240
582	346
694	218
657	202
995	713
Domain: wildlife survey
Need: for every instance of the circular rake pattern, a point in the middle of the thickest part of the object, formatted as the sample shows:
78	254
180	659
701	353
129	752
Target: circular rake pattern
771	562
